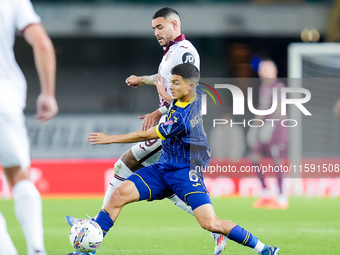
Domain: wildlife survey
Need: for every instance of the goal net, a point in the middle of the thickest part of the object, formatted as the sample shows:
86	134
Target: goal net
315	67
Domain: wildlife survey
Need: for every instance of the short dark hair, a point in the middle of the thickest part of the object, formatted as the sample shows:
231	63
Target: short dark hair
165	12
267	59
187	71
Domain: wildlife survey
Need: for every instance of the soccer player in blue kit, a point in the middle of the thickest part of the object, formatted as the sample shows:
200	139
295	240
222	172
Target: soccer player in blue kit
184	147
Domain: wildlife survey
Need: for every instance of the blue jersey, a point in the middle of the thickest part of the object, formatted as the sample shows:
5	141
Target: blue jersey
184	147
184	141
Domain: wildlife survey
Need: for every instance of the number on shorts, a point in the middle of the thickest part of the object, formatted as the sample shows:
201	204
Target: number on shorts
150	142
193	176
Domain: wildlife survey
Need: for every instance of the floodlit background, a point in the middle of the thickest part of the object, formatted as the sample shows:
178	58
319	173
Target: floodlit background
99	43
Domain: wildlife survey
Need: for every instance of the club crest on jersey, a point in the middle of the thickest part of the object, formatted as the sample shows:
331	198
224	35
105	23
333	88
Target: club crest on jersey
188	58
168	55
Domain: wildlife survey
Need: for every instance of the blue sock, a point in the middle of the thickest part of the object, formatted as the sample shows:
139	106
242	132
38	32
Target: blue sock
104	221
241	236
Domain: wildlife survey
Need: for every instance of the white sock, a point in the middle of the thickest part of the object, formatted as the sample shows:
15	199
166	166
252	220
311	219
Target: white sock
266	194
259	246
121	172
28	209
281	198
6	244
178	202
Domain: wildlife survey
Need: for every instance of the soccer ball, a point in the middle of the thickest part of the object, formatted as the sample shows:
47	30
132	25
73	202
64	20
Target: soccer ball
86	236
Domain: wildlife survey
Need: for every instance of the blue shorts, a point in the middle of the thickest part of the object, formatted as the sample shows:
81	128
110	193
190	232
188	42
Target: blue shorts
154	183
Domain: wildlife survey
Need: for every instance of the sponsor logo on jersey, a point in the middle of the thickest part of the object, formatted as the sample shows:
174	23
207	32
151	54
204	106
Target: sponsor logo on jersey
169	124
188	58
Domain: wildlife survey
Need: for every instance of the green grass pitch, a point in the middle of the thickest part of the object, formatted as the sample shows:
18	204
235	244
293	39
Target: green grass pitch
308	226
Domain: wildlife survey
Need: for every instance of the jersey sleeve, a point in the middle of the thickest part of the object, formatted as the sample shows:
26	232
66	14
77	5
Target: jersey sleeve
170	128
25	15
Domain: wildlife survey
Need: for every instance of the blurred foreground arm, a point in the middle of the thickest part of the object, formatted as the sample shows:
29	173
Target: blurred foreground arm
336	109
45	62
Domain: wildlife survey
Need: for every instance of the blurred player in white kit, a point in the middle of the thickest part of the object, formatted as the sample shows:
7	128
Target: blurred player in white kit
14	145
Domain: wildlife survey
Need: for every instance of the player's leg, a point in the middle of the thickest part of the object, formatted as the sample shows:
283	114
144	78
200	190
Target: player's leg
148	153
121	171
278	152
144	154
145	184
220	237
123	168
180	204
124	194
208	220
185	182
15	161
255	157
140	155
6	244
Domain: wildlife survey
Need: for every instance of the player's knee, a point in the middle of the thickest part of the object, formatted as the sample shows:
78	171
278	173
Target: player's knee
117	198
15	174
124	194
208	224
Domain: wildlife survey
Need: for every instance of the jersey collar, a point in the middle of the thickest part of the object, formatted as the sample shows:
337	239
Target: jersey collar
184	104
177	39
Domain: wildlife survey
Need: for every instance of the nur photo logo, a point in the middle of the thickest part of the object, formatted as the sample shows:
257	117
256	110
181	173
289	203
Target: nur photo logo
282	98
205	87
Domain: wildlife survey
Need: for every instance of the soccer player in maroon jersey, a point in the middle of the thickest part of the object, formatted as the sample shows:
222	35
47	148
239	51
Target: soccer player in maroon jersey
271	138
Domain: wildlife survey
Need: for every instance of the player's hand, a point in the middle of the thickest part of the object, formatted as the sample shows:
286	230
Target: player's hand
47	107
160	84
99	138
161	89
150	120
133	81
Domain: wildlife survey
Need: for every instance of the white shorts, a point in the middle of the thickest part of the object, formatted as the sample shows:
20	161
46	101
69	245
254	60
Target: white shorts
14	142
147	152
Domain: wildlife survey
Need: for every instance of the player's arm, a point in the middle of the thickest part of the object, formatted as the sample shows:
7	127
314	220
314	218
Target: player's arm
137	136
161	89
149	120
137	81
45	62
